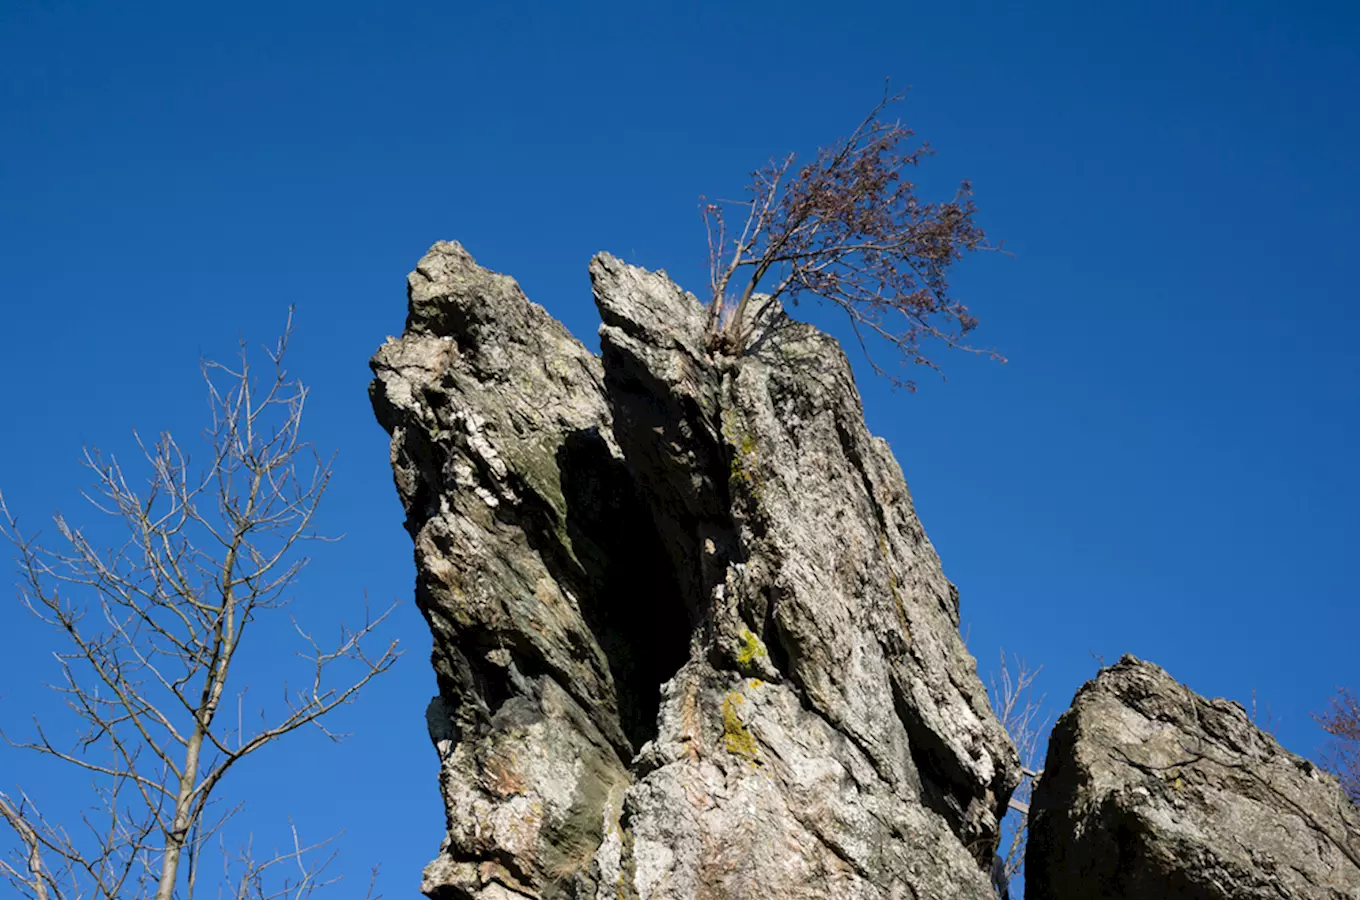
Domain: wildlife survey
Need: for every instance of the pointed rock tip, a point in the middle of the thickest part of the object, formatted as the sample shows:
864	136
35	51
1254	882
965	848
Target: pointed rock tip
448	293
641	301
453	247
443	259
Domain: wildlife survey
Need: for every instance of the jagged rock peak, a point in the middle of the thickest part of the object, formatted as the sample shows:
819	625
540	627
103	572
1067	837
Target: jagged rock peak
1150	790
691	640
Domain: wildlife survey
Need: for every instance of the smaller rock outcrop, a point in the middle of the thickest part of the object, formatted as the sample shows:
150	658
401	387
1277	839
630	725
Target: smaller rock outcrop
1150	790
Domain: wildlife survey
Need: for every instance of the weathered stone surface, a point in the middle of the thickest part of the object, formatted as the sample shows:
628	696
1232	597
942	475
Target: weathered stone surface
830	641
691	639
1150	790
536	569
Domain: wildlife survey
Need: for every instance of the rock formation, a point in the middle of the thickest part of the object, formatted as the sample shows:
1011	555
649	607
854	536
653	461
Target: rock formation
1150	790
691	640
692	643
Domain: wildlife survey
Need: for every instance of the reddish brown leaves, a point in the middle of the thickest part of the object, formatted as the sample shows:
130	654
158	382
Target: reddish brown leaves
848	228
1342	722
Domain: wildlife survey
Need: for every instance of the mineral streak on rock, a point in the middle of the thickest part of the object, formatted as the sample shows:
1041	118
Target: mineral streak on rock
691	639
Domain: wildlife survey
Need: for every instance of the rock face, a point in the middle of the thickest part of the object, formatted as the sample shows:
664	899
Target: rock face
1150	790
691	640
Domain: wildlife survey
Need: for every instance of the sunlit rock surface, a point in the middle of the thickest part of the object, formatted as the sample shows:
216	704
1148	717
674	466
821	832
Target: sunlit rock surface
691	639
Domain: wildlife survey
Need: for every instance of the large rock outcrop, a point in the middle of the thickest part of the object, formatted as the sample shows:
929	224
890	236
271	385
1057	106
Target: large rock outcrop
1150	790
691	640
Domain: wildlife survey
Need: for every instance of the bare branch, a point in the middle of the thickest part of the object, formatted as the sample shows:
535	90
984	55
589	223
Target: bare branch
295	873
1021	714
34	877
151	629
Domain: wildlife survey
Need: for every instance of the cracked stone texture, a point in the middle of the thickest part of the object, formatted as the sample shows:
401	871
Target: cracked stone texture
691	640
1150	790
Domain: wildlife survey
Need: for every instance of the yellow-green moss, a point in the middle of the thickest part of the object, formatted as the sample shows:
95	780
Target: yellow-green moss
750	648
736	738
743	447
729	424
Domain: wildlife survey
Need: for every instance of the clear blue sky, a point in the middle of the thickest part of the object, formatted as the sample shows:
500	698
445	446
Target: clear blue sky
1166	466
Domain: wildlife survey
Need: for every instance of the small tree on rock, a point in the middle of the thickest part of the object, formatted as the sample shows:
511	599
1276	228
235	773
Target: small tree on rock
848	229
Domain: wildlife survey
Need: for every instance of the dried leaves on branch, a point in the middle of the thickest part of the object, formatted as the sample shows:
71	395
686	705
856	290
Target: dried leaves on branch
849	229
151	629
1342	722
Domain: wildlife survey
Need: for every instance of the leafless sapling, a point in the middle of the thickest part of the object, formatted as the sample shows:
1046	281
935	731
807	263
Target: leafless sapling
1021	714
150	634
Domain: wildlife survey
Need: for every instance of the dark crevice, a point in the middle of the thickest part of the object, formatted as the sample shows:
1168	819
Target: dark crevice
494	686
633	603
680	467
449	892
772	636
607	554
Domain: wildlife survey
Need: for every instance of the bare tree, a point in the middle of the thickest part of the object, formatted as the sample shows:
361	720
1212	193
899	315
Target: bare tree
1342	722
151	629
1021	714
848	228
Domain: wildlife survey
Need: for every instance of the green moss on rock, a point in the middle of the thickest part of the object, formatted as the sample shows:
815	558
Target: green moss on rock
751	648
736	737
742	445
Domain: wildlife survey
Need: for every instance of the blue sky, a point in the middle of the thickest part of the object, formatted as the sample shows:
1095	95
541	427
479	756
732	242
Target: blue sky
1165	466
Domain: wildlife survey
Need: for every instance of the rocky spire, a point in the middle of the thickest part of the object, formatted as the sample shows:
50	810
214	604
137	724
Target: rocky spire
691	639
